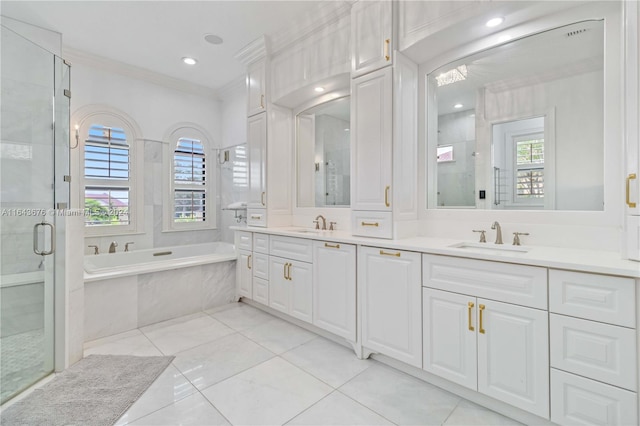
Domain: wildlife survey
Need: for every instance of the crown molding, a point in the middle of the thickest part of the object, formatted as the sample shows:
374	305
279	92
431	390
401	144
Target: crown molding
236	86
326	13
253	51
127	70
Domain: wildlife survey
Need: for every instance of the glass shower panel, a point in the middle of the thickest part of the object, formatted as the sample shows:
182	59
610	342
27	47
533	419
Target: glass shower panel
27	197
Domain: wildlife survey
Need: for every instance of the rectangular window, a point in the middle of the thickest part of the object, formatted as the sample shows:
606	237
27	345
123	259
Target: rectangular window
106	175
189	180
529	168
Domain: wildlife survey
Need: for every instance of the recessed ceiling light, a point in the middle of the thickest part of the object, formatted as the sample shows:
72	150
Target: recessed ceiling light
458	106
319	89
189	61
213	39
494	22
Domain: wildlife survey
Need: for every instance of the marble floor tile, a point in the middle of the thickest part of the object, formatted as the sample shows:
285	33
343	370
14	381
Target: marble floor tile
241	317
127	343
213	362
269	394
185	333
171	386
193	410
400	398
330	362
468	413
338	409
278	336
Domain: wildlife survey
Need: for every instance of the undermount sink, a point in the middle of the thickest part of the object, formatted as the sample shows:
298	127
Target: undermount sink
490	247
306	231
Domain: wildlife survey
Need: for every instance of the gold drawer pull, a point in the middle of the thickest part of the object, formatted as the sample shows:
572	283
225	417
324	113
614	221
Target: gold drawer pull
376	224
470	306
336	246
386	196
262	101
289	265
387	44
262	199
481	330
629	178
384	253
256	216
249	260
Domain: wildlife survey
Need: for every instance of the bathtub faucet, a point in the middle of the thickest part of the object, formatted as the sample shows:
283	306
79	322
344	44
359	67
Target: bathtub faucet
96	250
126	246
112	247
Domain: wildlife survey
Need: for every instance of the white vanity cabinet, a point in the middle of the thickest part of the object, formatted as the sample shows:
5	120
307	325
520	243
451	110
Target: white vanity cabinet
473	338
256	88
244	272
260	267
594	360
389	292
291	277
384	149
334	288
371	35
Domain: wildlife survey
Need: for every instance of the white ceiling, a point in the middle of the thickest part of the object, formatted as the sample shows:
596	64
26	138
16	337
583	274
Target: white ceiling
155	35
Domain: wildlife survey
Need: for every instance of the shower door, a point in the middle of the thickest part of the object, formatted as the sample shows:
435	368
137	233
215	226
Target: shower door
34	122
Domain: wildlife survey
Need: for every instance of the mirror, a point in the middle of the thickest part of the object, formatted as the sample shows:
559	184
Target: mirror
323	155
520	125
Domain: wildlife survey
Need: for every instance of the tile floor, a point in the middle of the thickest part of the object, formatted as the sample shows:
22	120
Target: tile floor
242	366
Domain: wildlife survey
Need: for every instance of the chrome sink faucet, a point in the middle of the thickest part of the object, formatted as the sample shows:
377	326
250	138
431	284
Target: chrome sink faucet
324	222
498	229
112	247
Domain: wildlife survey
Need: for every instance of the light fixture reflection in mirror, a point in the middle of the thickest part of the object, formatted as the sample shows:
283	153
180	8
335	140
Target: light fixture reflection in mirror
523	122
323	155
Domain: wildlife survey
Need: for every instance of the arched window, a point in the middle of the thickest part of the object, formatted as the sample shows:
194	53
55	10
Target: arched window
109	169
190	198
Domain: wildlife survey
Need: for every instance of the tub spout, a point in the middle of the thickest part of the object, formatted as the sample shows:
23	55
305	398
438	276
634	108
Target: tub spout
112	247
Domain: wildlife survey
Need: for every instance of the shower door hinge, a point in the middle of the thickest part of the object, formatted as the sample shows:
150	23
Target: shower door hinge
67	93
67	178
66	62
61	206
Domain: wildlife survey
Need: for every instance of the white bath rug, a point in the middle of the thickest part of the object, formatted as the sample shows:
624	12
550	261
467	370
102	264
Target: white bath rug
96	391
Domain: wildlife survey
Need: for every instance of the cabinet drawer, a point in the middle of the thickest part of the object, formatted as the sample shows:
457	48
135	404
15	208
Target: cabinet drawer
599	351
576	400
291	248
244	240
517	284
257	217
261	266
591	296
372	224
261	290
261	243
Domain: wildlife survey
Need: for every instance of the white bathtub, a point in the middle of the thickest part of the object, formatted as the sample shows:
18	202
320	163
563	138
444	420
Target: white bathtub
121	264
125	291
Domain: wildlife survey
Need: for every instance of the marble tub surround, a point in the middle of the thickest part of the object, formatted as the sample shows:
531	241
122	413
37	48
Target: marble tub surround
126	303
232	379
596	261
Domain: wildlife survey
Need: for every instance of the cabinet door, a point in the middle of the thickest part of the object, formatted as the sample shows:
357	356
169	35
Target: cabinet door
371	28
278	284
513	355
449	343
300	276
256	96
257	141
391	299
334	288
371	131
244	273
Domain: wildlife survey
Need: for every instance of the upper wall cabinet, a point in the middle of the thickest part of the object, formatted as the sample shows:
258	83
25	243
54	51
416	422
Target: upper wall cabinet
256	87
371	34
318	57
632	107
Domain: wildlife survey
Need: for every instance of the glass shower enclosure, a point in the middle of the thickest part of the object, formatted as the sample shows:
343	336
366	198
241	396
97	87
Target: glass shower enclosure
34	196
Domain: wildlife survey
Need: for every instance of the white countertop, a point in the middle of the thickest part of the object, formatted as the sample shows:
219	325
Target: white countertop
596	261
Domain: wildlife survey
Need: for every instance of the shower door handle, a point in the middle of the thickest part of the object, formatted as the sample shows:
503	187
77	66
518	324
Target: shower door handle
52	234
